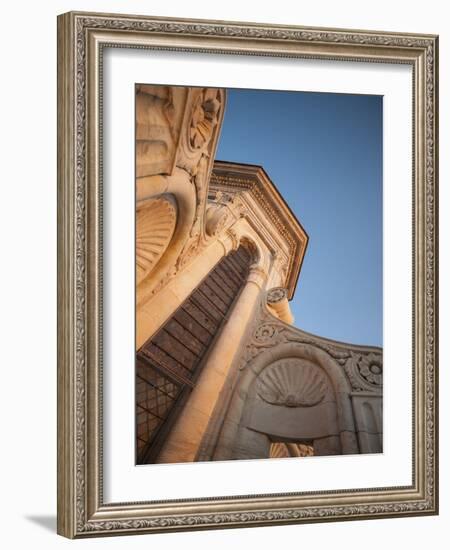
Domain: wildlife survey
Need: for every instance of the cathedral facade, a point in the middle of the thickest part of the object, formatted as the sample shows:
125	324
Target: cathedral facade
222	373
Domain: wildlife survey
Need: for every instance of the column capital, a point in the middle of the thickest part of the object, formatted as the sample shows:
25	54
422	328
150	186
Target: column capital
257	275
277	300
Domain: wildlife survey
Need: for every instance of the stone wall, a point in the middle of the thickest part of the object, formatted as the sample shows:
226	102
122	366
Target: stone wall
287	385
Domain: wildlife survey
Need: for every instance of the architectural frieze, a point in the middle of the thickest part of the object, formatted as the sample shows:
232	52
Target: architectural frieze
363	366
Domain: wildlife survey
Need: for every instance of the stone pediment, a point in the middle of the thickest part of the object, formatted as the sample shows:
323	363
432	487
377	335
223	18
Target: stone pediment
260	201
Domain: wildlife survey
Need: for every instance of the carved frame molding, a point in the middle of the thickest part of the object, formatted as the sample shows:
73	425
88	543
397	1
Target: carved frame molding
81	37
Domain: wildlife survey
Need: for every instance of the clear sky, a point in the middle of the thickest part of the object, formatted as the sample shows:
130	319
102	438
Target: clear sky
324	154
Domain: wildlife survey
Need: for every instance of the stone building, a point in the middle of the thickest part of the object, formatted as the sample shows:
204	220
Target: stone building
221	371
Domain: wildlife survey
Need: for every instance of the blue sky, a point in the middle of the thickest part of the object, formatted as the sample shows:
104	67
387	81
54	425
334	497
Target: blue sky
324	154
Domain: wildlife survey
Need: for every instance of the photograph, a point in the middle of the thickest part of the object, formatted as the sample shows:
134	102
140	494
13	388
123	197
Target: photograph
233	222
259	274
247	274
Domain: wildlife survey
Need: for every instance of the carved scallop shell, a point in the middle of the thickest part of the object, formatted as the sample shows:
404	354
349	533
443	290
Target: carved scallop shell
285	450
292	383
278	450
155	225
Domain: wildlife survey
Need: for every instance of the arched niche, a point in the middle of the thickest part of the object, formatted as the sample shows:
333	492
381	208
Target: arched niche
314	405
179	187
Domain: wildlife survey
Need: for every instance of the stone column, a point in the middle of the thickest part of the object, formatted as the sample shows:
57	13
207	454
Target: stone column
152	314
368	410
184	439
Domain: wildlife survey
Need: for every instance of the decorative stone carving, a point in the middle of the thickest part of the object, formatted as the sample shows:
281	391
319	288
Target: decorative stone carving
177	131
292	383
217	218
280	264
223	210
195	156
295	237
233	200
269	332
222	197
265	333
155	225
365	371
285	450
201	130
370	368
204	118
362	366
191	249
276	295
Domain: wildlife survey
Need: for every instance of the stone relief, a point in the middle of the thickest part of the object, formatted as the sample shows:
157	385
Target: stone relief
280	263
276	295
297	243
222	197
224	208
265	333
370	368
292	383
277	301
195	156
289	450
177	130
217	218
155	225
365	371
204	118
362	367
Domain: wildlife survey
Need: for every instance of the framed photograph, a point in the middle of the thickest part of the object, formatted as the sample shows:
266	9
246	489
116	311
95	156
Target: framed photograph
247	274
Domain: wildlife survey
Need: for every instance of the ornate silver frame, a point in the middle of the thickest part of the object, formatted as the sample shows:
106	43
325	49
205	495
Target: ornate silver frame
81	37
